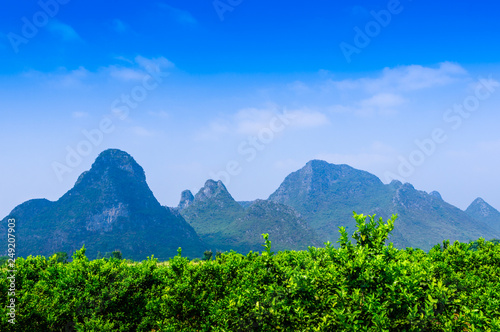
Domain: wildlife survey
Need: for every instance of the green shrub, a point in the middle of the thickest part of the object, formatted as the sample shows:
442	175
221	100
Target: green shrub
367	285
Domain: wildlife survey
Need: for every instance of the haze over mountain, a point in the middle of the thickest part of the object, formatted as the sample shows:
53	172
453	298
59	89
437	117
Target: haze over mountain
110	207
485	213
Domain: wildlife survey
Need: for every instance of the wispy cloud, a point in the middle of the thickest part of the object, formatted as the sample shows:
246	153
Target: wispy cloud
377	158
143	132
404	78
64	31
391	89
74	77
160	114
62	77
181	16
213	131
133	70
379	104
125	74
250	121
119	26
79	115
138	68
157	64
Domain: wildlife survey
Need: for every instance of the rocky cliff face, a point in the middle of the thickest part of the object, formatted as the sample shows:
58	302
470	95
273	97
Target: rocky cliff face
110	207
186	199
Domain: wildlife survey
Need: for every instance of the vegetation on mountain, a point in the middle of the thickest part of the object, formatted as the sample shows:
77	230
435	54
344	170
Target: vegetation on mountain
225	224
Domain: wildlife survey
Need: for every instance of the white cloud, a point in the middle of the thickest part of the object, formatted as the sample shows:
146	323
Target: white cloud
383	100
63	77
404	78
379	104
135	70
392	88
154	64
382	103
74	77
138	68
251	121
308	119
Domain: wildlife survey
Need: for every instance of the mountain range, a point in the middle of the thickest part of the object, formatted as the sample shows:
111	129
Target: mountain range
327	194
112	208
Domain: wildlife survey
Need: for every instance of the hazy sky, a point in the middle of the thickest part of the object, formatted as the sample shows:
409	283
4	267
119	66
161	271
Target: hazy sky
249	91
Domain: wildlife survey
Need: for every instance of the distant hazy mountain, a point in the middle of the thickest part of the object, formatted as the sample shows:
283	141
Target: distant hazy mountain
425	220
110	208
484	213
225	224
327	194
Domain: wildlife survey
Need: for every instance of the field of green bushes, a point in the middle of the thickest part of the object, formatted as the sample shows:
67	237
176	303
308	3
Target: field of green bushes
364	285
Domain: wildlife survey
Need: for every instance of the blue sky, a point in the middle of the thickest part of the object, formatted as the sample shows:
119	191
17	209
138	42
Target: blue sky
249	91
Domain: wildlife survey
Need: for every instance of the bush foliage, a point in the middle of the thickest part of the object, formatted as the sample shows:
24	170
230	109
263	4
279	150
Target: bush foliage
364	285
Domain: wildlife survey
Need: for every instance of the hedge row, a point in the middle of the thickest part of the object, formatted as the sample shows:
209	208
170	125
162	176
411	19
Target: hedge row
361	286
